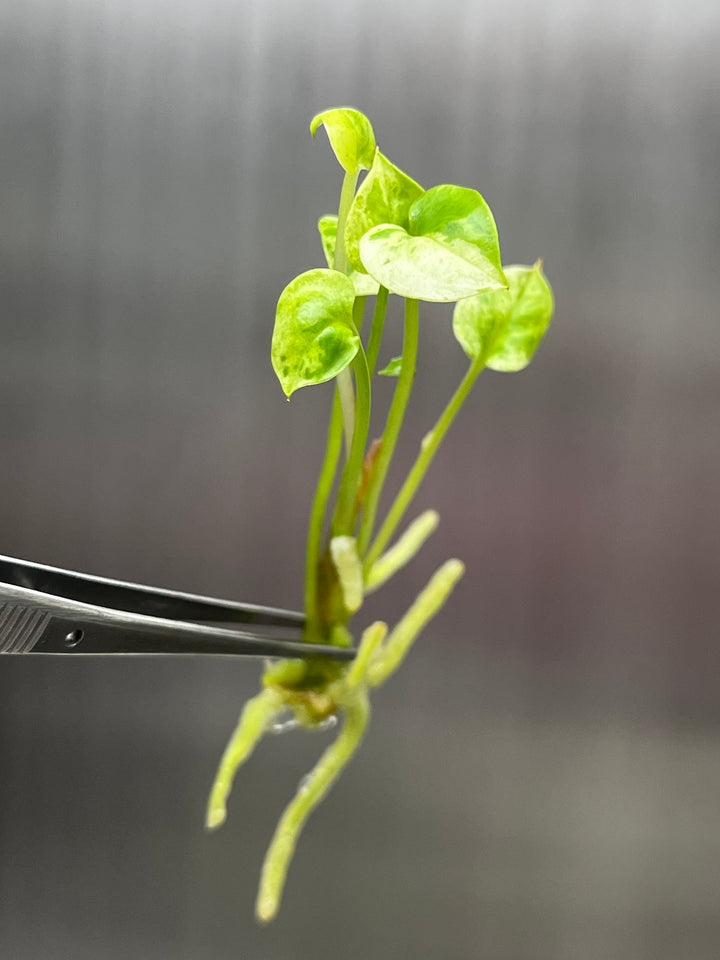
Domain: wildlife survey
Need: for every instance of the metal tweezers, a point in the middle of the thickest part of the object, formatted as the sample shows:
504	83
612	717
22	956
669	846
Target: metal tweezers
49	610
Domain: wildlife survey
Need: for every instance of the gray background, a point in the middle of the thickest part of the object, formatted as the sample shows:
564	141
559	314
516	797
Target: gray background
542	781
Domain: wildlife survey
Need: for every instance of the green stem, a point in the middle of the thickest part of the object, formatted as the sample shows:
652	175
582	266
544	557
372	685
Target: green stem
358	312
340	263
347	403
344	518
345	383
315	531
347	193
310	793
342	417
428	448
376	330
392	425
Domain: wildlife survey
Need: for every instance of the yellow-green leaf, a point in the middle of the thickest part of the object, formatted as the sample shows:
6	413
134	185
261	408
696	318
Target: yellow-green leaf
385	196
426	268
452	214
392	369
314	336
351	137
506	326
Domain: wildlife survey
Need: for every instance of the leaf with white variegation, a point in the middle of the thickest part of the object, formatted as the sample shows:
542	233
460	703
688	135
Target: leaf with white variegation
506	326
385	196
314	336
449	250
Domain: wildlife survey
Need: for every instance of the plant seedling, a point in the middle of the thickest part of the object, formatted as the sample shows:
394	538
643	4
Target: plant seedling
389	237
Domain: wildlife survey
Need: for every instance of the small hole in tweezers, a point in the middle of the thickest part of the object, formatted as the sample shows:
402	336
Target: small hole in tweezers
74	637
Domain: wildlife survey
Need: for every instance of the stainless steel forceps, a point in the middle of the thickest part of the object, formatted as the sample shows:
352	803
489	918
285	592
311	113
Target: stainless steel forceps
49	610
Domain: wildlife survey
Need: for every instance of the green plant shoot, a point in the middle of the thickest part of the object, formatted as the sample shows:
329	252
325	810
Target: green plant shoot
389	237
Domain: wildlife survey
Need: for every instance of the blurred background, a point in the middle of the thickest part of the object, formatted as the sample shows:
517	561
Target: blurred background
542	780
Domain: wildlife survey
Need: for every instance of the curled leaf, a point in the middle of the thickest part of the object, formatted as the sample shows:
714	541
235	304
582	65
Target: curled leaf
351	137
506	326
314	336
365	286
385	196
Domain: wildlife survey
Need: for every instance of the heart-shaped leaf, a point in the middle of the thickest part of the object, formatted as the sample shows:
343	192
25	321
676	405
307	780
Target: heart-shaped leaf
448	213
449	251
365	286
351	137
314	336
385	196
506	326
425	268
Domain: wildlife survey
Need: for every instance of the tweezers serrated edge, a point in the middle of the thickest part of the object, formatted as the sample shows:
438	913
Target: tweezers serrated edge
21	627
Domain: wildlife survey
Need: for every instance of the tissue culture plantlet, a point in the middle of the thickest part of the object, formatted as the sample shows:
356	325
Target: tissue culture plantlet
390	236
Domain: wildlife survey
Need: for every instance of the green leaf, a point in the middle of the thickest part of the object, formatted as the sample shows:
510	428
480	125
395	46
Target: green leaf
314	336
392	369
476	320
365	286
427	268
455	216
506	326
449	250
351	137
384	197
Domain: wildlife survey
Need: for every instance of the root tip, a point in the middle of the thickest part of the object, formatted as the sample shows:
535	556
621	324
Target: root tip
215	819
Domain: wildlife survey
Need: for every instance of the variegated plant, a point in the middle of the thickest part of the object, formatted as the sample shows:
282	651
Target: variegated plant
389	236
